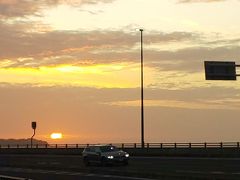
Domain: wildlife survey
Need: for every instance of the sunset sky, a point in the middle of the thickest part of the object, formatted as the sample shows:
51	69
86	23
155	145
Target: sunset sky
73	67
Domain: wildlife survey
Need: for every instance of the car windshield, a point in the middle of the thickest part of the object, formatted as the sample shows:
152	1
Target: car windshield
108	148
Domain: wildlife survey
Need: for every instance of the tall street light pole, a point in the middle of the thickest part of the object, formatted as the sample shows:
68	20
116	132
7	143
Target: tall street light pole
142	104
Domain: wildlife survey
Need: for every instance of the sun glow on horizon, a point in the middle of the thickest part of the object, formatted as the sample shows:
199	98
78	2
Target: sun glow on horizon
56	136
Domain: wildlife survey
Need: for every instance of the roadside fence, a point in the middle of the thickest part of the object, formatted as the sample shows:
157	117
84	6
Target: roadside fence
190	145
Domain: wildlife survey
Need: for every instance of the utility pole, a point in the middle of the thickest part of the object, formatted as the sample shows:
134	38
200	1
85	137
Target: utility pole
142	97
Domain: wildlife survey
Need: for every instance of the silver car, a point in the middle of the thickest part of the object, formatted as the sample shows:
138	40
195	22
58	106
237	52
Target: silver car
104	154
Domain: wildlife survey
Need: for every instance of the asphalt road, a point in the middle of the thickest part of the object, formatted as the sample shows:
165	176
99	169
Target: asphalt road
40	174
71	167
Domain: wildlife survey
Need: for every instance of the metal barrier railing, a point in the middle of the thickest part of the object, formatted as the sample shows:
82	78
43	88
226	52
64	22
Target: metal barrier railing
131	145
13	178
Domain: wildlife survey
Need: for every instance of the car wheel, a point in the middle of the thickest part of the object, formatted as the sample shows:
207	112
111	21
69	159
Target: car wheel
86	161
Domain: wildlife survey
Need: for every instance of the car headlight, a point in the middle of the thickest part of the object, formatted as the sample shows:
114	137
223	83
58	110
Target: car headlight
126	155
110	157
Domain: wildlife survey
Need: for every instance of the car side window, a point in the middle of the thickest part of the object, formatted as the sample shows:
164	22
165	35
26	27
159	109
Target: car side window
91	149
87	149
97	149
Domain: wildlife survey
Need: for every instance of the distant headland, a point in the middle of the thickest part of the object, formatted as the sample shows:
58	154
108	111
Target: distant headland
21	141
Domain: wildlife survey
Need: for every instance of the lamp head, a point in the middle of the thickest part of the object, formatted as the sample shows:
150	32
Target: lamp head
34	125
139	29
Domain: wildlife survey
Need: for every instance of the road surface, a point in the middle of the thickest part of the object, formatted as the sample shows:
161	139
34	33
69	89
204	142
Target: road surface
63	167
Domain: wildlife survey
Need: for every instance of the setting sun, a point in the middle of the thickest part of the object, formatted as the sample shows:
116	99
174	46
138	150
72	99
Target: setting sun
56	136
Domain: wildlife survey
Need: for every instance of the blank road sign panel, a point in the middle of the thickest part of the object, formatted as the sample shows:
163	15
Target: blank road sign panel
220	70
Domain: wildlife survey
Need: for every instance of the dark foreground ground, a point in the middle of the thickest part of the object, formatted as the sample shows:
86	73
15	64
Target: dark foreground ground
140	168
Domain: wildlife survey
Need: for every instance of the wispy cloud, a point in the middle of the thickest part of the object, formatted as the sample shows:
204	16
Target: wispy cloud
23	8
24	48
199	1
224	104
168	104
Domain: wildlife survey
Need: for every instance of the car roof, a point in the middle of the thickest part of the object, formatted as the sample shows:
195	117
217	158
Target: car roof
99	145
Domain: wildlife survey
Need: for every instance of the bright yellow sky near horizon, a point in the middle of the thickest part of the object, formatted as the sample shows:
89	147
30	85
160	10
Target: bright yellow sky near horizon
86	54
97	76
